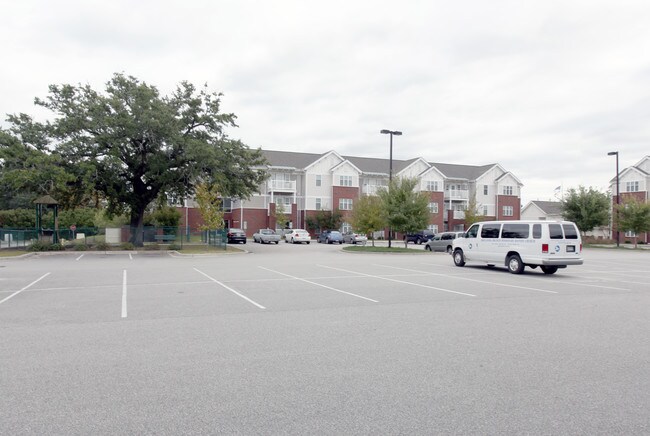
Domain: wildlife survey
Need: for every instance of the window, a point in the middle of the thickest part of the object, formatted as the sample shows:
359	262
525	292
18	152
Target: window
570	231
346	227
508	211
630	234
537	231
433	228
490	231
507	190
485	189
517	231
319	180
345	180
318	204
432	185
485	210
555	231
433	207
632	186
473	231
345	203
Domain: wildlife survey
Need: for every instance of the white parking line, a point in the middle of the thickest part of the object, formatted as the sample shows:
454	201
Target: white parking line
471	280
230	289
26	287
79	257
124	295
400	281
322	286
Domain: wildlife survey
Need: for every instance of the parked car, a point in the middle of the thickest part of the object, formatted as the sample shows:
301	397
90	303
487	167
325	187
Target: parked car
419	237
236	236
330	236
266	236
354	238
297	236
443	241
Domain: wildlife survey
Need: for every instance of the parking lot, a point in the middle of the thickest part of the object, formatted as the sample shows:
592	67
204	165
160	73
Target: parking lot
308	339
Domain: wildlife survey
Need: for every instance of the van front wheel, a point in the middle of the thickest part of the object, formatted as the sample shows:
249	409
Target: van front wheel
515	265
459	259
549	269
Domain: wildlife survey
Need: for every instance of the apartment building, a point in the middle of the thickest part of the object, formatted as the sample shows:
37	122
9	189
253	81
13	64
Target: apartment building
305	183
634	182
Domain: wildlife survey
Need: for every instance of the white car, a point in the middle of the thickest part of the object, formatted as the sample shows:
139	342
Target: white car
354	238
297	236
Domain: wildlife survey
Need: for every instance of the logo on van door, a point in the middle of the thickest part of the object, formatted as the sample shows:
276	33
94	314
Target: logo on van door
557	248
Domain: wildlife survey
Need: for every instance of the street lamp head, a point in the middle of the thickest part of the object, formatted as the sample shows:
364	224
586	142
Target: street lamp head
391	132
397	133
612	153
385	132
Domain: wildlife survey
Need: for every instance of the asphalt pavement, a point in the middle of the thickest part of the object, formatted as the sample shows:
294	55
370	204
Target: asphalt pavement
308	339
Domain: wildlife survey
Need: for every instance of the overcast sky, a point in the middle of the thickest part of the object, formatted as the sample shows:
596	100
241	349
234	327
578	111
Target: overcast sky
545	88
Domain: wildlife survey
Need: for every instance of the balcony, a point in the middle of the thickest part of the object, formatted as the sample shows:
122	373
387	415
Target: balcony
281	186
371	189
456	194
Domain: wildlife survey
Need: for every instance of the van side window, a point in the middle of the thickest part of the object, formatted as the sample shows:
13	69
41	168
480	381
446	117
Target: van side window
473	231
570	231
490	230
537	231
519	231
555	231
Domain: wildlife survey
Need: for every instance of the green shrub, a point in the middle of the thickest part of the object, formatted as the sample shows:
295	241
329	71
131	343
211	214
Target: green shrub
45	246
175	247
127	246
18	218
80	247
103	246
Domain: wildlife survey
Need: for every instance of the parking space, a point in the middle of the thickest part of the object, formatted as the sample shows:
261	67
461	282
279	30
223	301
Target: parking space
273	340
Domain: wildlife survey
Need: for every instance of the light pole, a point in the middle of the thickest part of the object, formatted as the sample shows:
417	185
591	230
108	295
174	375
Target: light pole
390	169
618	196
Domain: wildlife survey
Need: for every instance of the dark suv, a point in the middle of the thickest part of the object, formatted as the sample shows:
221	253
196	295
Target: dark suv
420	237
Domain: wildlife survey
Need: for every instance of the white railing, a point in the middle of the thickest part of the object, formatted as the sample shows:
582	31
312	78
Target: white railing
282	185
371	189
459	214
457	194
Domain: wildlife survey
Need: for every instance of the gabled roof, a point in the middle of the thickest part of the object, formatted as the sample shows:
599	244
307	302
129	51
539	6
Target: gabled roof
627	170
549	207
466	172
290	158
369	165
345	162
508	173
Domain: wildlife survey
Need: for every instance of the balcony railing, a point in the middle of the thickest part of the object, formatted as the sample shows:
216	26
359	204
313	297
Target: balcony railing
459	214
371	189
457	194
282	185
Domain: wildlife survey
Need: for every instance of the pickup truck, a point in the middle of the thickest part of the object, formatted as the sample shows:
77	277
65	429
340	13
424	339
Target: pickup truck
266	236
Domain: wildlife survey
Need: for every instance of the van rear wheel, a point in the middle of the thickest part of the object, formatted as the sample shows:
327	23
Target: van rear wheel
515	264
549	269
459	259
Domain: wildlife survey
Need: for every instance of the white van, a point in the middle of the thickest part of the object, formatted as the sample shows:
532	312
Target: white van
517	244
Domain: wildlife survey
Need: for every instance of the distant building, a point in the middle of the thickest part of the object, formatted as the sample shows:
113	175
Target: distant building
542	210
634	182
305	183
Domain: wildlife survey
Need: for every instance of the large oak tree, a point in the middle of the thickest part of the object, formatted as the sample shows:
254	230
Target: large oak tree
136	144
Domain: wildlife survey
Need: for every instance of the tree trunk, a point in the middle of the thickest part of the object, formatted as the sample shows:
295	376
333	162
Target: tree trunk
137	228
